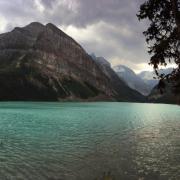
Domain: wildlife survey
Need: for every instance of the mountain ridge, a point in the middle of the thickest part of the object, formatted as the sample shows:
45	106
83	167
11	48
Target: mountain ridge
131	79
41	62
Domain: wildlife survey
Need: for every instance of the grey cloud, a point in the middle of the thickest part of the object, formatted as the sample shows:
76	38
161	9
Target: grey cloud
116	15
49	3
92	11
16	8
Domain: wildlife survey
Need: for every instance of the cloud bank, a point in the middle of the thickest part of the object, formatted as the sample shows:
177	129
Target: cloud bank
109	28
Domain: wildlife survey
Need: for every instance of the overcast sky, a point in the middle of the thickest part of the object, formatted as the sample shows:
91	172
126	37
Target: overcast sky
109	28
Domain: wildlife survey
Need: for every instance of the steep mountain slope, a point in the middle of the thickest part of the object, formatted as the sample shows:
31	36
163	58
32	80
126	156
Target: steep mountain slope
155	96
40	62
132	80
149	76
166	97
117	82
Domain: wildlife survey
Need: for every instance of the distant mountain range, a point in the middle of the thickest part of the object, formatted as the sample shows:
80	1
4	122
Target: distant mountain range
145	83
42	63
121	86
166	97
150	77
132	80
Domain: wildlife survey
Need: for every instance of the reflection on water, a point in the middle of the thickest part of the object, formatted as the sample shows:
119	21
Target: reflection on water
88	141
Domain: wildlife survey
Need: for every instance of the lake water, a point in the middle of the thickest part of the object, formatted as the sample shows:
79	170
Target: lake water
83	141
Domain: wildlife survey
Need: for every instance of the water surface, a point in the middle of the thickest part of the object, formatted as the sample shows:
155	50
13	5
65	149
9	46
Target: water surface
81	141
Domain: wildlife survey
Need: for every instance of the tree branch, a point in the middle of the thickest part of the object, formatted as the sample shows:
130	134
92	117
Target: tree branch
176	13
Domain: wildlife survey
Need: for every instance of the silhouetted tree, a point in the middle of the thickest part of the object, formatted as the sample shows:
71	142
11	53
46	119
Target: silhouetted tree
163	36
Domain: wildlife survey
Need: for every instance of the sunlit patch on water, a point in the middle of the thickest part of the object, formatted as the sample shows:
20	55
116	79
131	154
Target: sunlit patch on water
88	141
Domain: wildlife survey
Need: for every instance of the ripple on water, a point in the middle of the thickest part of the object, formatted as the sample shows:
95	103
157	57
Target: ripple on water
73	141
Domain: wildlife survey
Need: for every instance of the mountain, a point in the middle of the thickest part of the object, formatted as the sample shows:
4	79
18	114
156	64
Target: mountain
166	97
149	76
41	62
121	87
132	80
155	96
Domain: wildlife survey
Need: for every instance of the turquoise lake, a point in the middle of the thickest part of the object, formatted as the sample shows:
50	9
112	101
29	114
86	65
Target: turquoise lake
82	141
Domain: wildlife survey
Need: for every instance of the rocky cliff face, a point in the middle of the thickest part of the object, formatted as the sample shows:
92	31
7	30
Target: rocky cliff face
40	62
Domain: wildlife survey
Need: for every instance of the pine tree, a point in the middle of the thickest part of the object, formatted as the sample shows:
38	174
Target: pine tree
163	37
